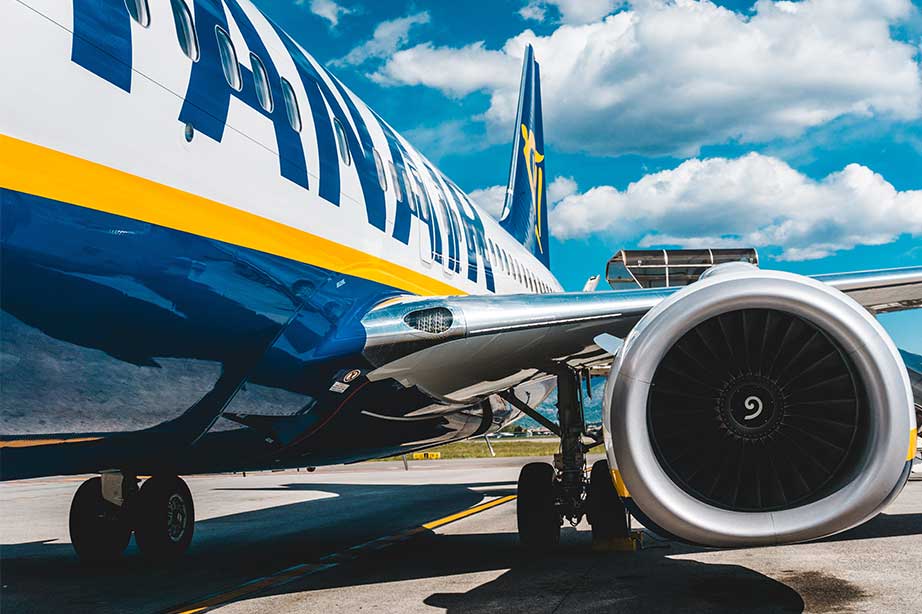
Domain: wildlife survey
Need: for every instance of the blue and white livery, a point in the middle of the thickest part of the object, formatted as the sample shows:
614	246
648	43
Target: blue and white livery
215	257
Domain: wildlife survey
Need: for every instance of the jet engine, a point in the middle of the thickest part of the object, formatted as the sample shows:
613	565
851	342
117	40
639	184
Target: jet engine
758	407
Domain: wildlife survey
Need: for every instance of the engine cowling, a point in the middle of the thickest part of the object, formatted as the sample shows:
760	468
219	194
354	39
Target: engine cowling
758	407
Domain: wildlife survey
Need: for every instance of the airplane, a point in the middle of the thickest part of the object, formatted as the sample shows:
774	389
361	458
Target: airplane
216	258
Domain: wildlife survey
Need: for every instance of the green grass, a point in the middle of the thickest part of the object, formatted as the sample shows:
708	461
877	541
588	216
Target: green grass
477	448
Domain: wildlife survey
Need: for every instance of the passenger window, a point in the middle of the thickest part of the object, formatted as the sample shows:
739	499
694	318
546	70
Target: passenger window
422	198
379	167
291	105
397	191
185	29
261	77
411	192
342	143
458	225
139	11
228	59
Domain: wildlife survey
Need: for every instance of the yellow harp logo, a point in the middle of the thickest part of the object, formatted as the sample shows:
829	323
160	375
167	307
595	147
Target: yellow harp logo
533	161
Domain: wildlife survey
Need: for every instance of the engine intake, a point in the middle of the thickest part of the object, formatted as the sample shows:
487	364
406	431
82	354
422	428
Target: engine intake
758	407
765	418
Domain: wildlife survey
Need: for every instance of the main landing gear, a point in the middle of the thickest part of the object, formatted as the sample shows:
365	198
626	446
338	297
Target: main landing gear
550	494
105	510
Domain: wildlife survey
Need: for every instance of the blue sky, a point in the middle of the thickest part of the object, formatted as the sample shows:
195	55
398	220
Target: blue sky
792	126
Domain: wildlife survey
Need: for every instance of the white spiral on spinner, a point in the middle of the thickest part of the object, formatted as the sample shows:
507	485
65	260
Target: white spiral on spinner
753	403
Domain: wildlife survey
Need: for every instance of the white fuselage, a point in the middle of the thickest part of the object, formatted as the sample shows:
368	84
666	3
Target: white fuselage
51	106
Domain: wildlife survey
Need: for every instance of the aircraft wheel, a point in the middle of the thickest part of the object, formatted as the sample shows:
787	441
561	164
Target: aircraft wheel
606	512
538	520
164	518
99	530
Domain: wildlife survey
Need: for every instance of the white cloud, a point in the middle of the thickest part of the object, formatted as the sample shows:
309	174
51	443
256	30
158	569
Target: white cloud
490	199
493	199
389	36
327	9
571	11
534	11
669	77
560	188
754	200
455	72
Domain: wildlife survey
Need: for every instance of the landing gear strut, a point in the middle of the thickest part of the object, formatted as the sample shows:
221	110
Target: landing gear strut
550	494
105	510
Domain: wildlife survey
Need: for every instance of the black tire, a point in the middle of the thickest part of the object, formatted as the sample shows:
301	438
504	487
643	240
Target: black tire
606	512
164	518
536	512
99	530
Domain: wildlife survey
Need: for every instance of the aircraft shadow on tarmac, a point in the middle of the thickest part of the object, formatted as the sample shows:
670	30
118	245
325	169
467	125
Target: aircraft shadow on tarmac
232	549
573	578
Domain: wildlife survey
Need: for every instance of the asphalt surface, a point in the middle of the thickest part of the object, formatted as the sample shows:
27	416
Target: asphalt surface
352	539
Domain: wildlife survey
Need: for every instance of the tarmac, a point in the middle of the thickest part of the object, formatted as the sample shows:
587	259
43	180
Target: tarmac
439	537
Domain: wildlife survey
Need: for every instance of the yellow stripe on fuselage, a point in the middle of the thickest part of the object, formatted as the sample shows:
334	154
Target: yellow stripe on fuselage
913	434
33	169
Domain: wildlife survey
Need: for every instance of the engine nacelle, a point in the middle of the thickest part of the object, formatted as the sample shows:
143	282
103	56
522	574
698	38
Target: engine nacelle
758	407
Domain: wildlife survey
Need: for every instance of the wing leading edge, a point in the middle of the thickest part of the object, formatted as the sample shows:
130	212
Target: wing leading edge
465	348
880	291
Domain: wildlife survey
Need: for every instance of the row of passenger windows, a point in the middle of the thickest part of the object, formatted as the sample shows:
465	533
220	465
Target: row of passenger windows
188	42
514	269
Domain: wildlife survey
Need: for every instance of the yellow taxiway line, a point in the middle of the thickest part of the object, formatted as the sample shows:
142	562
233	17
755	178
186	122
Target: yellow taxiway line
302	570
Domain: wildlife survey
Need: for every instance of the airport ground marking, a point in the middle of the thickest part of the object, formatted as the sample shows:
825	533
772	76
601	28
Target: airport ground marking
302	570
28	443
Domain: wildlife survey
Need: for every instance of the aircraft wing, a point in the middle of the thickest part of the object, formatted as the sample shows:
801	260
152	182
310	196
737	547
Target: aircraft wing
881	291
468	347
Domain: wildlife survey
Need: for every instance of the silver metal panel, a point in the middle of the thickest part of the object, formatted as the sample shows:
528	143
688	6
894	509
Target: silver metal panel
882	290
495	342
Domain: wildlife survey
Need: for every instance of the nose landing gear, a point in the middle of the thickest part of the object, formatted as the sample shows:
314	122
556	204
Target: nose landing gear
105	510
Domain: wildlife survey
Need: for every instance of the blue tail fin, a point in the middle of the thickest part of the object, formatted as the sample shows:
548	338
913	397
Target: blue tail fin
525	212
